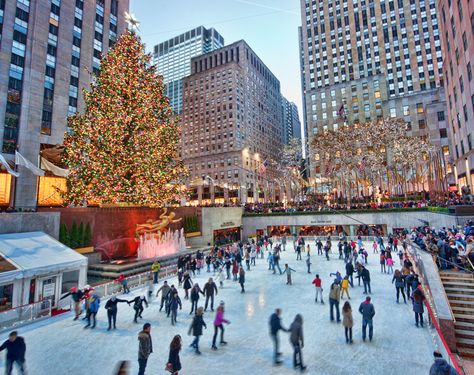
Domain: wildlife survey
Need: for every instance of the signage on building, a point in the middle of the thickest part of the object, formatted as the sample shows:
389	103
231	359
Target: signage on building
228	224
48	290
321	222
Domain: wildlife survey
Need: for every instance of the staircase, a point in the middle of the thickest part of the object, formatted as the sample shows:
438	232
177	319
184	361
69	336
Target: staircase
459	288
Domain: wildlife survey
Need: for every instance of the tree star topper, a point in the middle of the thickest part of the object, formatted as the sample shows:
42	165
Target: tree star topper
132	21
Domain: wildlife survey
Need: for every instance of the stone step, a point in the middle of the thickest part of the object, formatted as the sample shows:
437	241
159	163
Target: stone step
459	275
466	334
461	283
465	343
461	303
463	310
464	326
454	290
459	297
466	352
464	318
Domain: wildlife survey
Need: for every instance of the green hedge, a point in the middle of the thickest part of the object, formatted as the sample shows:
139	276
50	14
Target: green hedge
191	224
76	236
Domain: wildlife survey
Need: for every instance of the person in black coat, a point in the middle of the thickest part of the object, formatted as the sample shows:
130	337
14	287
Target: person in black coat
174	363
209	288
138	306
111	307
187	284
196	328
350	272
16	349
275	326
195	297
365	274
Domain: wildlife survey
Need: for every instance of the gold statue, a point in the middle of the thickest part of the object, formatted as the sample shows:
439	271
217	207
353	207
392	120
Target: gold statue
157	227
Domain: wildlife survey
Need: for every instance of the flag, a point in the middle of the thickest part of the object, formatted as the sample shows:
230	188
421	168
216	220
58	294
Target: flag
7	166
362	165
263	167
341	111
21	160
48	166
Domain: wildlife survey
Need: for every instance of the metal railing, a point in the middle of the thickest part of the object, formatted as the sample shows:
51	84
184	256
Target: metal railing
25	314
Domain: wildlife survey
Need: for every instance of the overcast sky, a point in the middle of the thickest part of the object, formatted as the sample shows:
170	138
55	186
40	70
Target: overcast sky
270	27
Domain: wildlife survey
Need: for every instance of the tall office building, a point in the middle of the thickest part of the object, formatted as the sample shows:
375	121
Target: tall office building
366	60
457	35
231	127
291	120
47	50
173	58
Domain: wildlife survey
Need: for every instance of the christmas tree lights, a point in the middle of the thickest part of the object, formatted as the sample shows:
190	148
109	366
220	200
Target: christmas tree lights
123	148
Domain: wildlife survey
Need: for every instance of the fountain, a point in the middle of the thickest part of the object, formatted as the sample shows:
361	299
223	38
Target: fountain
152	245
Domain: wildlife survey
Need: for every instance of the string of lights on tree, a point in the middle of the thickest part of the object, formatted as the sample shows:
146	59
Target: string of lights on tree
123	148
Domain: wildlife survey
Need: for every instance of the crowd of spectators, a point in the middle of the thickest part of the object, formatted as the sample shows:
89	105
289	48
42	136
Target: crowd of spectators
451	247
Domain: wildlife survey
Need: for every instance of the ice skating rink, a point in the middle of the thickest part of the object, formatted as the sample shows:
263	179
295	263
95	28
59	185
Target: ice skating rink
60	346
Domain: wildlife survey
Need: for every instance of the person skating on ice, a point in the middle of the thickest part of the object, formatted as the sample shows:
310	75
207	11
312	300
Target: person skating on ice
175	302
308	262
242	279
347	321
111	307
221	277
399	285
93	309
317	282
367	310
174	363
297	341
195	297
219	325
76	295
196	328
164	289
16	348
288	270
350	273
209	289
145	348
345	287
138	306
365	275
187	284
418	298
275	326
334	298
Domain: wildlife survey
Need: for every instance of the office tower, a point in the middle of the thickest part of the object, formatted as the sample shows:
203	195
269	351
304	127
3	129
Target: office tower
457	36
48	50
231	127
173	58
291	120
366	60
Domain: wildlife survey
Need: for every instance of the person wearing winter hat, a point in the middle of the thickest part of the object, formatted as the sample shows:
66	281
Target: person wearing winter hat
76	295
138	306
440	366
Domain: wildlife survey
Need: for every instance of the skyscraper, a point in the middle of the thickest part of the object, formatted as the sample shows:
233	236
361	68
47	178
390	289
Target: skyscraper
457	35
173	58
232	127
291	120
366	60
47	51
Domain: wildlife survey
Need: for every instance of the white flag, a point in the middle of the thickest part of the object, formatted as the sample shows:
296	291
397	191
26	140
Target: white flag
48	166
21	160
7	166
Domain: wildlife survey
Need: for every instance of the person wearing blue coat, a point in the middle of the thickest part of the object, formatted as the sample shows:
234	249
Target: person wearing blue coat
418	299
94	304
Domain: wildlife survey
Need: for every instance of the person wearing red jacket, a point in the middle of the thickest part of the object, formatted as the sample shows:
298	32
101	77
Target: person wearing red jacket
123	280
319	290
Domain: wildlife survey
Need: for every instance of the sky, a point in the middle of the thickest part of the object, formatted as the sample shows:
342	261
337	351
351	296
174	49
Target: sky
270	27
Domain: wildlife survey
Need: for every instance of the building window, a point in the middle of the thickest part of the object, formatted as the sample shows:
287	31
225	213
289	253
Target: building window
421	124
419	108
443	133
441	116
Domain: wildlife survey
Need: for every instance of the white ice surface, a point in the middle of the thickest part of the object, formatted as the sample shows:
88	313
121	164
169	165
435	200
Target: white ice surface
60	346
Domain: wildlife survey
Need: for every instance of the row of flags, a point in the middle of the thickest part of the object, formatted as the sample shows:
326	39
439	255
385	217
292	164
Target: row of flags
45	164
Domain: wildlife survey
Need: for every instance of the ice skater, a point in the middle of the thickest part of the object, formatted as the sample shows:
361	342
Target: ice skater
418	297
275	326
164	289
219	325
196	329
288	270
345	287
111	307
138	306
319	290
174	363
308	262
123	281
209	289
16	349
334	298
195	298
296	340
76	295
145	348
174	303
242	279
367	310
399	285
347	321
93	308
221	277
187	284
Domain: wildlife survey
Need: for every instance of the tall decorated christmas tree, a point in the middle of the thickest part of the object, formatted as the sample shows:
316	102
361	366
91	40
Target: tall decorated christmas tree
123	148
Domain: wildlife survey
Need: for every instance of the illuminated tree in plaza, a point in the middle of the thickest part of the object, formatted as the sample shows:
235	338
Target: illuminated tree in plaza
369	154
123	148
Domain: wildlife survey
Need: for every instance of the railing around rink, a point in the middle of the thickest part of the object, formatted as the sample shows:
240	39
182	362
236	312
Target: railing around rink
25	314
110	288
437	336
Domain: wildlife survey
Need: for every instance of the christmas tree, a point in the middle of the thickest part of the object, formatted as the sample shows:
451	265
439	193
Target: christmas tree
123	148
